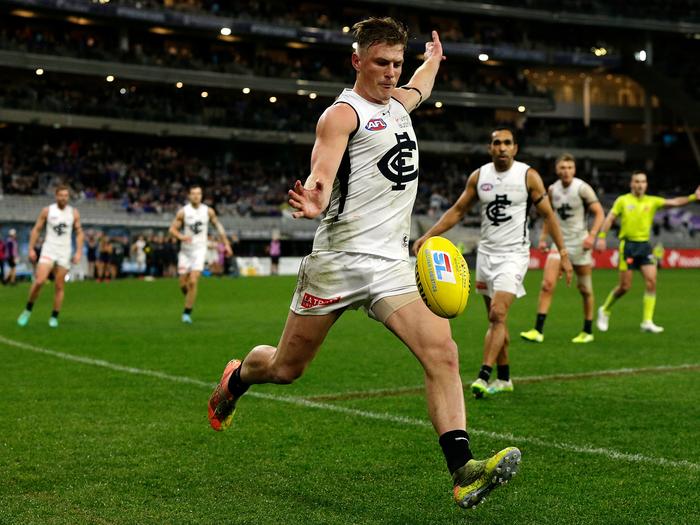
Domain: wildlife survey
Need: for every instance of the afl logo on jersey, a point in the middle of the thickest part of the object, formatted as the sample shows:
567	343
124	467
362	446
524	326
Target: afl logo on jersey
376	124
486	186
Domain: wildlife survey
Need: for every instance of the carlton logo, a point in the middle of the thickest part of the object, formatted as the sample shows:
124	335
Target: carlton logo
376	124
309	301
443	267
486	186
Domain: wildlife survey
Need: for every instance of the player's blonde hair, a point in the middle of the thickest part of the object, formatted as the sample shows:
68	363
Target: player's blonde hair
565	157
376	30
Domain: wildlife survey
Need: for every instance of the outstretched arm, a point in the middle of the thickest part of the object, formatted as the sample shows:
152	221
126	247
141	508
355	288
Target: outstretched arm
332	134
682	201
454	214
421	84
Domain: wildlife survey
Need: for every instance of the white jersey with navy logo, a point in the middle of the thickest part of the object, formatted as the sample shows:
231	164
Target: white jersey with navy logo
571	203
504	203
196	221
59	227
375	187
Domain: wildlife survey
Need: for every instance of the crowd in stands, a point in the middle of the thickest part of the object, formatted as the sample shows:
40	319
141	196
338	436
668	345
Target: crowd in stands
333	65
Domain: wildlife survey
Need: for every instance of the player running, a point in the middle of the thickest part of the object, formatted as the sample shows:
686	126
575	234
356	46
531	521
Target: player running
505	188
364	171
60	220
571	198
636	211
194	219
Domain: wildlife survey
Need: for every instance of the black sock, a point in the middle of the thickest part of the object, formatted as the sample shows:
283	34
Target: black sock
539	324
455	447
485	372
187	311
236	386
54	314
588	326
503	372
29	306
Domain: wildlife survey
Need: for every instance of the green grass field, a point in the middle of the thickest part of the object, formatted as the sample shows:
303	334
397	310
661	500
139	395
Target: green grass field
99	440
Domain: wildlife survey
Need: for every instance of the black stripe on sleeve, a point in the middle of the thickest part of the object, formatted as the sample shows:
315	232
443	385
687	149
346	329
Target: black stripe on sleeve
343	174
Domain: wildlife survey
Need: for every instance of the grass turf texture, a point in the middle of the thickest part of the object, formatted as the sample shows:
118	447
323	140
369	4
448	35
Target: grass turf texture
84	444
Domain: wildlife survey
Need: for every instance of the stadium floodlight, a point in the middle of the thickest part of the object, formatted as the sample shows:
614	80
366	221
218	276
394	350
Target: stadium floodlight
110	78
438	104
312	96
521	109
640	56
204	94
273	100
122	91
483	57
346	29
246	90
179	85
226	31
39	71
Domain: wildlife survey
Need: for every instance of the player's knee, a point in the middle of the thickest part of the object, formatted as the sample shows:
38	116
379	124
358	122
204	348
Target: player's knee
497	314
547	286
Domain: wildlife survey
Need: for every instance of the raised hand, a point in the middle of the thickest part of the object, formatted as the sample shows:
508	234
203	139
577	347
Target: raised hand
434	49
308	202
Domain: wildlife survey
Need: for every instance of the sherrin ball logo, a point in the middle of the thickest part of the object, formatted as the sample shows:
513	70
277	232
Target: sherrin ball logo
442	277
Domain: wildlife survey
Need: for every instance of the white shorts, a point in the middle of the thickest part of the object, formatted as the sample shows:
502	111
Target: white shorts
55	255
191	260
501	273
331	281
577	255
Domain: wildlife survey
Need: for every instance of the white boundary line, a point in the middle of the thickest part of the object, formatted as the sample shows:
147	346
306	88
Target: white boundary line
524	379
380	416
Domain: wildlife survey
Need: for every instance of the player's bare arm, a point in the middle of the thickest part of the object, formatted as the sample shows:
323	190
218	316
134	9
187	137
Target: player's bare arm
36	231
176	226
598	218
455	214
600	244
332	134
682	201
420	87
542	244
222	233
538	195
79	237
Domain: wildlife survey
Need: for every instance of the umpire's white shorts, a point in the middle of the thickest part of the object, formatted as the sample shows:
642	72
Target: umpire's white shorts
330	281
55	255
191	260
501	273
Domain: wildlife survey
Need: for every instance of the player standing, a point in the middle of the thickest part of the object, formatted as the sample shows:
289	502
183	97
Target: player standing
60	220
636	211
194	219
505	188
571	198
364	171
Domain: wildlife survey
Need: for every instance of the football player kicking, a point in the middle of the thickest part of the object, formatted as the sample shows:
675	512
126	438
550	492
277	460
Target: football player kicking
360	255
571	199
505	188
60	220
